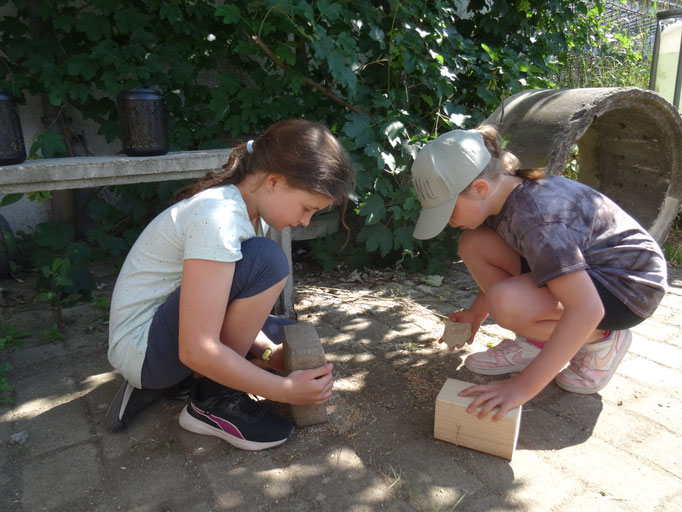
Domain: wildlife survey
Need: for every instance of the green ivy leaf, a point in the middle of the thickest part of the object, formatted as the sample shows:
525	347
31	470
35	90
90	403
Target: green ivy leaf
403	239
377	237
229	12
373	209
10	198
358	129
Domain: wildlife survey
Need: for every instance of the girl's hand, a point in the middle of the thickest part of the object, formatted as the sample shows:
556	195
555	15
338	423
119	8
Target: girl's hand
466	316
309	387
505	394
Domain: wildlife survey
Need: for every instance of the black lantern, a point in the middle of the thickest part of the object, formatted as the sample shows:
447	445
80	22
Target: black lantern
142	122
12	149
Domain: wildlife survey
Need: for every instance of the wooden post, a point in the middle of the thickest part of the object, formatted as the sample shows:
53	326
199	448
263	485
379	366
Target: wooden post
454	425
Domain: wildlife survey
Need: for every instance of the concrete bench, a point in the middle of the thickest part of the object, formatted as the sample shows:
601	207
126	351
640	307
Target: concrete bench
96	171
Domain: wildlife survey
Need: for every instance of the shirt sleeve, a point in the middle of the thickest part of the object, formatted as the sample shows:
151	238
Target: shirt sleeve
214	229
552	250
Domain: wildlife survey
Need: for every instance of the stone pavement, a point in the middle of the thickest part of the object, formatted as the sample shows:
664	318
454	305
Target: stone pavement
617	450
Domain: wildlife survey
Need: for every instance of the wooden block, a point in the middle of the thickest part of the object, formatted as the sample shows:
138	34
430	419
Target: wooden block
303	351
455	425
456	334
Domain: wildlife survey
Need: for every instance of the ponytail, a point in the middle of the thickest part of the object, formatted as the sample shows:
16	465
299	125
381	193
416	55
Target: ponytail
503	161
305	153
234	171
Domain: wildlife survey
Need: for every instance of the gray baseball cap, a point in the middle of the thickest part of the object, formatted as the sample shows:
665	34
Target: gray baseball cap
442	169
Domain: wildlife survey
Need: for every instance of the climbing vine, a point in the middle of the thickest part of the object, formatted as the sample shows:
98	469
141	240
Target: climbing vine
384	76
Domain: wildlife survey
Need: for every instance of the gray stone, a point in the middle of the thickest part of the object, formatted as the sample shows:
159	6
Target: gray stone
303	351
19	438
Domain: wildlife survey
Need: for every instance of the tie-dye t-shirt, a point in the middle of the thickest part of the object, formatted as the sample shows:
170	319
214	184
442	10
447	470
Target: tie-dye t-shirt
561	226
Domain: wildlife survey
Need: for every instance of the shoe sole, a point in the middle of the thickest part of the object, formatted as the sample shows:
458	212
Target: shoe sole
617	359
190	423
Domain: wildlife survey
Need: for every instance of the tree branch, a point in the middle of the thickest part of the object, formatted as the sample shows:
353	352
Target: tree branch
307	80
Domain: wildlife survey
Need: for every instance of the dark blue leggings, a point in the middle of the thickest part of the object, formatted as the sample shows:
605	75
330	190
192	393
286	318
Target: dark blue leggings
263	265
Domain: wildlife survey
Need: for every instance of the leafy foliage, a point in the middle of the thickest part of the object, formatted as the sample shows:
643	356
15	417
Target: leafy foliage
10	337
385	76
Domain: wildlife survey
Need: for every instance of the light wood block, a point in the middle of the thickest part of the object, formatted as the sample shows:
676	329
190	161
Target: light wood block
302	350
454	425
456	334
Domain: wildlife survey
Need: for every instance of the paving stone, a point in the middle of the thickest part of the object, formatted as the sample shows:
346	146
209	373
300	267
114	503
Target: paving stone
639	488
592	501
63	425
650	373
651	330
156	478
43	354
54	479
663	408
615	450
661	353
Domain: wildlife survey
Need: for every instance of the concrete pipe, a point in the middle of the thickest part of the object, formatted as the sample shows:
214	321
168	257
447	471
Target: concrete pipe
629	144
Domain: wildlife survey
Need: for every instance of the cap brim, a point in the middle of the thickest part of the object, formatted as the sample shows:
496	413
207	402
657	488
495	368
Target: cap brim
433	220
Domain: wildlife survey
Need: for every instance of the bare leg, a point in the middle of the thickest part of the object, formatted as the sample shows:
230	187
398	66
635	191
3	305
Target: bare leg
244	318
513	300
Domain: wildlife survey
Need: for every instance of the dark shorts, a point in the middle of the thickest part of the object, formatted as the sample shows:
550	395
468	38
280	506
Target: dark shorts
617	316
263	265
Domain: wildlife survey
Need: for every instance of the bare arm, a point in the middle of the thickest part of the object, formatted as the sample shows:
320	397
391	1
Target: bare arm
583	311
203	303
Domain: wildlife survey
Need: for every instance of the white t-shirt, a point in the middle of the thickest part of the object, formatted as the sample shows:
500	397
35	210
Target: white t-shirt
210	225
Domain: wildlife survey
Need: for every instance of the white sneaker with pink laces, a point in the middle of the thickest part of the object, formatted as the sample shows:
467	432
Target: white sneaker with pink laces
594	364
509	356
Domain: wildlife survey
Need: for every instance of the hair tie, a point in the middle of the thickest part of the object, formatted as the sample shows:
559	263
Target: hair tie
249	146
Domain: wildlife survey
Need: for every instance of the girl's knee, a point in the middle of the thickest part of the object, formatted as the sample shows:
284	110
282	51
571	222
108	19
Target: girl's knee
264	251
262	265
502	304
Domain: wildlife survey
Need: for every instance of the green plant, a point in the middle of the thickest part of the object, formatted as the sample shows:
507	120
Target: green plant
52	334
673	254
385	76
9	337
5	385
103	303
57	276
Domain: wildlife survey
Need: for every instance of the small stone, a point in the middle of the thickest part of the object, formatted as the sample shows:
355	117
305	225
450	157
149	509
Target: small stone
456	334
19	438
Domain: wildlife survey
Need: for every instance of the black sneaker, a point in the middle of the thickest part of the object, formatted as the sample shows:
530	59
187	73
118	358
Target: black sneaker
180	391
128	401
233	416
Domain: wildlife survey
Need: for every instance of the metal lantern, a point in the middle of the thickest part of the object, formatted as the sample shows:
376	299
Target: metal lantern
142	122
666	65
12	148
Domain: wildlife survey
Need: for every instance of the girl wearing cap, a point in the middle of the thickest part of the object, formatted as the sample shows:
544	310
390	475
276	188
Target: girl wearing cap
557	263
194	293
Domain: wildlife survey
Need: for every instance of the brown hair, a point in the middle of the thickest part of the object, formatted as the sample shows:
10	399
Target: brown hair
305	153
503	162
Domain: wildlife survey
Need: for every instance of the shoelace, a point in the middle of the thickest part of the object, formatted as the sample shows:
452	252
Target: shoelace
581	361
248	405
504	347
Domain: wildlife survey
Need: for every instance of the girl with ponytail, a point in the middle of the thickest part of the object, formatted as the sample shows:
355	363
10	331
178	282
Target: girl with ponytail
557	263
193	297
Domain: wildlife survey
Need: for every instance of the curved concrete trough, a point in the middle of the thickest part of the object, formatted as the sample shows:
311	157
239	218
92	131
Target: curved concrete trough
629	144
